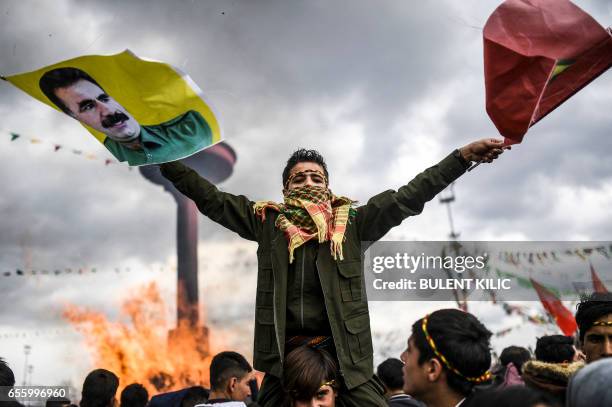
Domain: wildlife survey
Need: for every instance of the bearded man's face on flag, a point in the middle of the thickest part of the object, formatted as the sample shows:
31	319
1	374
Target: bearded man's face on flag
91	105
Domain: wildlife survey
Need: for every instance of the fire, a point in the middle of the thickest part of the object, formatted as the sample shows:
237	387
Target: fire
143	349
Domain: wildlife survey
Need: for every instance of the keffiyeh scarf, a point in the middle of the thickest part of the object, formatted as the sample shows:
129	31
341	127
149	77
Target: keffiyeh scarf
309	212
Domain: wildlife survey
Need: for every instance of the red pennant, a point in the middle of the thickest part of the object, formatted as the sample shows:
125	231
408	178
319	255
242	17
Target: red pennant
563	317
537	54
598	285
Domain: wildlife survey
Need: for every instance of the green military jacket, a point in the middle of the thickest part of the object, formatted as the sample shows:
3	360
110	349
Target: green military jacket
342	281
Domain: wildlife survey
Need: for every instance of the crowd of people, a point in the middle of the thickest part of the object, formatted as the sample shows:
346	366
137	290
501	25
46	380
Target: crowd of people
447	362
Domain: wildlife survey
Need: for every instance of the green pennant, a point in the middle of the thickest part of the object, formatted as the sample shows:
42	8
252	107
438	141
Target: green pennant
14	136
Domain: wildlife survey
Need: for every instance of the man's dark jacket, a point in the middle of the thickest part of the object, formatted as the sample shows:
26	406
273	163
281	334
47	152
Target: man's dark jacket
341	280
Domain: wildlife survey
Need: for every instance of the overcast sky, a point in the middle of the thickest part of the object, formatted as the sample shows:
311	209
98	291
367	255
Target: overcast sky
382	89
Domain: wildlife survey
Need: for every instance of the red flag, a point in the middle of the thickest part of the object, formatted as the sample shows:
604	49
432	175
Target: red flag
563	317
537	54
598	285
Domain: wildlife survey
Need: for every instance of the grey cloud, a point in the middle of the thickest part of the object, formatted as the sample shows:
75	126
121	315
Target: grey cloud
274	70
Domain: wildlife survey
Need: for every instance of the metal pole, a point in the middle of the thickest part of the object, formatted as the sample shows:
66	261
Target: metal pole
30	370
459	295
187	252
26	352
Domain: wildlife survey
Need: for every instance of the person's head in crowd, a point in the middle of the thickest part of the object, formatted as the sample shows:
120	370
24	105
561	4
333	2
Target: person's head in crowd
516	355
230	374
594	319
390	373
7	378
99	389
555	349
305	168
591	385
448	354
58	402
78	95
310	378
134	395
194	395
550	377
513	396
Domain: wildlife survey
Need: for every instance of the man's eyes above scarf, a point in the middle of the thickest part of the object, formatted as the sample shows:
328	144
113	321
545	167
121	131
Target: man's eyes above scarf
303	177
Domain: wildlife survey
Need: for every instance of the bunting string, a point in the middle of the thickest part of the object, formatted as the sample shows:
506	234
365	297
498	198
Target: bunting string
23	272
39	333
55	147
76	271
548	257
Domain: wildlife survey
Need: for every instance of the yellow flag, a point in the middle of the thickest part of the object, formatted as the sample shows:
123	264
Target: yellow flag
144	112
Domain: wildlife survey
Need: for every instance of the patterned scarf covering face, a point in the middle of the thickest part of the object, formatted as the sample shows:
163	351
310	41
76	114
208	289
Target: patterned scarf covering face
309	212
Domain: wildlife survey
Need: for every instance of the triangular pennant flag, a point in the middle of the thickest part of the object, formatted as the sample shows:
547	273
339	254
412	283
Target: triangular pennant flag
108	161
552	304
35	141
537	54
56	148
579	254
14	136
598	285
77	152
602	250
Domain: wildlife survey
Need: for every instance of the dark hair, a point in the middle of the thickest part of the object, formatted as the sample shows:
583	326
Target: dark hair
513	396
555	349
226	365
134	395
590	309
390	372
306	369
300	156
516	355
461	339
57	402
7	378
99	388
61	78
194	395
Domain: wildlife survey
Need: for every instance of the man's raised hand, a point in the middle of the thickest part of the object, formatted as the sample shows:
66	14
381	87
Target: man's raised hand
485	150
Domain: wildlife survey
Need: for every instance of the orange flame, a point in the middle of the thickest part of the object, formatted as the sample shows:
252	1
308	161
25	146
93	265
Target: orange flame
144	350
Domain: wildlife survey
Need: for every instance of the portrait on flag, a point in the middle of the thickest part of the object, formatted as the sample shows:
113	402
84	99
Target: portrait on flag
144	112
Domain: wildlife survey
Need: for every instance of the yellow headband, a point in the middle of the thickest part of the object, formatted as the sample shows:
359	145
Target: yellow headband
482	378
602	323
331	383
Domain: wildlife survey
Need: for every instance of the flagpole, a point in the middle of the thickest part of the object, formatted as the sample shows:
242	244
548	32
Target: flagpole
480	162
